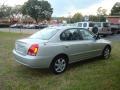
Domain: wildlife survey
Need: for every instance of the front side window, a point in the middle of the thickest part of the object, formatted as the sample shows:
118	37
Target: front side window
86	35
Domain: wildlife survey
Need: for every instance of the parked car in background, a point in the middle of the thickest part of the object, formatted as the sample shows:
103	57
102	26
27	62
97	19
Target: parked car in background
29	26
67	44
41	26
87	25
25	26
115	28
101	28
104	28
16	26
36	26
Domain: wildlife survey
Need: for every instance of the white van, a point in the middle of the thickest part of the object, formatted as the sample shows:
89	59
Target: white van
87	25
103	28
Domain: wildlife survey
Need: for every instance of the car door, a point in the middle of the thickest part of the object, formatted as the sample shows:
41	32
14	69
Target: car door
92	45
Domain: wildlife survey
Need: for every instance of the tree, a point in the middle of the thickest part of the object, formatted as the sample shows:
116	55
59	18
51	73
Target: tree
94	18
77	17
4	11
116	9
15	12
101	12
37	9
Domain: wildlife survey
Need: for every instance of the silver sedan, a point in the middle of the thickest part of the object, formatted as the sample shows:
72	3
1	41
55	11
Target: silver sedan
56	47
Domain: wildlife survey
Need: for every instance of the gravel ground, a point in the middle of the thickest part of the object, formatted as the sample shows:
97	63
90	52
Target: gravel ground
26	31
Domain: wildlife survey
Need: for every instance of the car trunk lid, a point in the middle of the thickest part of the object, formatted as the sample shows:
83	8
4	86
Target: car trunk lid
22	45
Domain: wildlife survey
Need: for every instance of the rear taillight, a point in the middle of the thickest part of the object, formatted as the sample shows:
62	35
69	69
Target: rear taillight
33	50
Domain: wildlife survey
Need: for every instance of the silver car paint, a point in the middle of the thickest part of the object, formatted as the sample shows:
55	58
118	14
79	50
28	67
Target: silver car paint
75	50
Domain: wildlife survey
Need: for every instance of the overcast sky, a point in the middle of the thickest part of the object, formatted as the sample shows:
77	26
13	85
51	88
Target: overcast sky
69	7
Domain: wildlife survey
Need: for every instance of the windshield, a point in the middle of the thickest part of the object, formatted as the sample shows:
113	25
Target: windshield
45	34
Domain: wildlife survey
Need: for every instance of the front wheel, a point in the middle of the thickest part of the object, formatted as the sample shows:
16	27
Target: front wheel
59	65
106	52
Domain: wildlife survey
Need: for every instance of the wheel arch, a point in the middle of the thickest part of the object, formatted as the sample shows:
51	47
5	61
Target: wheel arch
62	54
51	64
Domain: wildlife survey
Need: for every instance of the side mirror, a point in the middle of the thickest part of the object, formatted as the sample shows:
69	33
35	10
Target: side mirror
96	37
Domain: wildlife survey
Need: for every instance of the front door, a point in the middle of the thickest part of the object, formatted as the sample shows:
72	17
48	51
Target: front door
78	44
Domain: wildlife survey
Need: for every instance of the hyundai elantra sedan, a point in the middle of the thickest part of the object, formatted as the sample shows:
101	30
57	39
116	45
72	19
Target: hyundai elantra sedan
56	47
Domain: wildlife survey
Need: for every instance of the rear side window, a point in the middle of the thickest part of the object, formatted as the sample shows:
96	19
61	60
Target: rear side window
45	34
71	35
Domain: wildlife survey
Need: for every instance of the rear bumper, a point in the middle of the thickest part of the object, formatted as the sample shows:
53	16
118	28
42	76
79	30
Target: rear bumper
32	61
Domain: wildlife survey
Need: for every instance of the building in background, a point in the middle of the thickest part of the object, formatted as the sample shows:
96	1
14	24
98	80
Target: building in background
113	19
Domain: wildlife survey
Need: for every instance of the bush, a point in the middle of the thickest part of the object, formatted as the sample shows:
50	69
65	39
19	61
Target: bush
4	25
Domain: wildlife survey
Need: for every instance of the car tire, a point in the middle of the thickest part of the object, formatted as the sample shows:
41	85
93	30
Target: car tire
106	52
59	64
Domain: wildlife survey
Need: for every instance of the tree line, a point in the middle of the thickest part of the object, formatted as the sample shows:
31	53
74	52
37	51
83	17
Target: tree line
41	10
100	17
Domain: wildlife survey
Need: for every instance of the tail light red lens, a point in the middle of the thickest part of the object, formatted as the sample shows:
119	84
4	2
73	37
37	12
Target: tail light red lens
33	50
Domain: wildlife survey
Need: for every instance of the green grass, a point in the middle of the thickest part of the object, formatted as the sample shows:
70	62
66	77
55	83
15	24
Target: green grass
94	74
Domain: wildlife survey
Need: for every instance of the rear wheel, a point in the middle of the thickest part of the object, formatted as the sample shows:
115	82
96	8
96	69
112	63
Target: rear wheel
59	65
106	52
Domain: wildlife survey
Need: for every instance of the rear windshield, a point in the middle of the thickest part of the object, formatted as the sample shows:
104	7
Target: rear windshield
45	34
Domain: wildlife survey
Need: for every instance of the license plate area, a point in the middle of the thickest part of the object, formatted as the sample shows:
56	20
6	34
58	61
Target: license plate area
20	48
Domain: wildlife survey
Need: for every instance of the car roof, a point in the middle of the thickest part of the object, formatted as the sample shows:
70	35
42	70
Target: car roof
101	22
